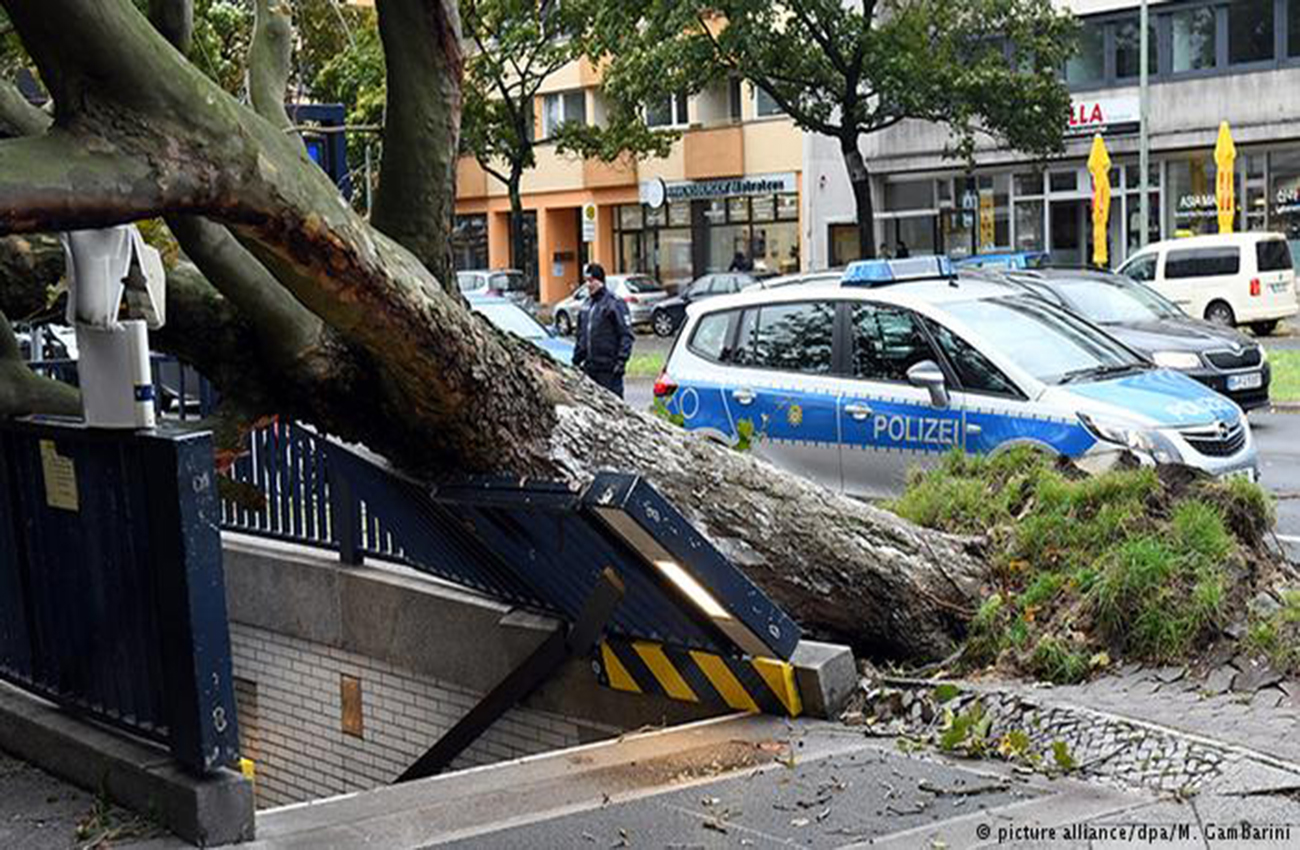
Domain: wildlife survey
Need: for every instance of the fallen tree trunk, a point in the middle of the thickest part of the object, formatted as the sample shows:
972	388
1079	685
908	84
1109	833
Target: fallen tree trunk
402	366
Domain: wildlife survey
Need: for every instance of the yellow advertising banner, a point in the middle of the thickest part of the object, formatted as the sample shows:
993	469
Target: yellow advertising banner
1225	196
988	221
1099	167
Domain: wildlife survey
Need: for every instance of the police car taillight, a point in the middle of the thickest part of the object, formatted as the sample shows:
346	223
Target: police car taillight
1255	288
664	385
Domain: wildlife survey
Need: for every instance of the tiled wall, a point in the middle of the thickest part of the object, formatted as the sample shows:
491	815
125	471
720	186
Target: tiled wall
291	719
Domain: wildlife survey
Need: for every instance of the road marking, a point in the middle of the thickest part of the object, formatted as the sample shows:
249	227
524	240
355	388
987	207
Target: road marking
1289	538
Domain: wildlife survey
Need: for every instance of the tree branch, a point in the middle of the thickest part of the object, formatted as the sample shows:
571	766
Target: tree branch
270	61
18	117
416	198
58	181
174	19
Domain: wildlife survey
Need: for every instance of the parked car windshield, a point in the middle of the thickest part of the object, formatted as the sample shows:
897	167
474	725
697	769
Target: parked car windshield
1046	341
508	282
1114	302
509	317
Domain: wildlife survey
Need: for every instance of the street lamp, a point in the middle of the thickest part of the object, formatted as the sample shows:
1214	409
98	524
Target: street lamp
1144	154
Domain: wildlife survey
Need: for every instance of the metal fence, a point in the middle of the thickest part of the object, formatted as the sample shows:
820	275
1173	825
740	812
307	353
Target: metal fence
112	599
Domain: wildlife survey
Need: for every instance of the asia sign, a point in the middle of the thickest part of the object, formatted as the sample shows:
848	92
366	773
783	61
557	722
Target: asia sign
655	192
1105	115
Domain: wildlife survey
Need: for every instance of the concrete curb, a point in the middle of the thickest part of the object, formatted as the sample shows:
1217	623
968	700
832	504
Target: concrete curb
1285	407
208	812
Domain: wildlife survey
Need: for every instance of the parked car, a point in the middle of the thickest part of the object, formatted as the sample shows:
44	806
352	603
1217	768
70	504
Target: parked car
852	385
1224	359
503	283
640	292
1230	279
510	317
1005	260
669	314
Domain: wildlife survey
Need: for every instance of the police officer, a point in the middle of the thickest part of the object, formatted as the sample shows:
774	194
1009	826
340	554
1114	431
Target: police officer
604	333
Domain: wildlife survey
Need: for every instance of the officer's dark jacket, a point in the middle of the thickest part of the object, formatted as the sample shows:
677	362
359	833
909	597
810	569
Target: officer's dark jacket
604	334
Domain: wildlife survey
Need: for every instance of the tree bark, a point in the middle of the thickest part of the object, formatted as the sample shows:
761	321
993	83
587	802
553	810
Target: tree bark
860	180
518	244
405	368
416	200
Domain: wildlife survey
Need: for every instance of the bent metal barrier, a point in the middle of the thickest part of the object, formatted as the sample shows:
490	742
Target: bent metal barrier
690	625
112	599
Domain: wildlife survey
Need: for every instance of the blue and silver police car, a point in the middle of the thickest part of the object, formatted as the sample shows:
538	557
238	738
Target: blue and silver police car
855	381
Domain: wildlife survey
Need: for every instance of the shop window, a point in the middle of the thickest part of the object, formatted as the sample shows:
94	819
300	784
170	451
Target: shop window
1293	27
1193	209
1284	194
764	208
1128	48
656	217
1250	31
469	242
909	195
1029	226
715	211
669	111
1064	181
1029	183
1193	32
775	247
563	108
787	207
738	209
765	105
844	244
679	214
629	217
1088	65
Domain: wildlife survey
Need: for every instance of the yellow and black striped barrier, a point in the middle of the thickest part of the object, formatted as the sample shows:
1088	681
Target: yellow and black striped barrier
746	684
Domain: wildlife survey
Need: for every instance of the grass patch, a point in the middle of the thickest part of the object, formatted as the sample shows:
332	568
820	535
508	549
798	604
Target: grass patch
645	365
1285	384
1276	634
1132	563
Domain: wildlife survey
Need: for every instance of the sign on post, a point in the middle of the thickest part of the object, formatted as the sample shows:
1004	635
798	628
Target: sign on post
588	222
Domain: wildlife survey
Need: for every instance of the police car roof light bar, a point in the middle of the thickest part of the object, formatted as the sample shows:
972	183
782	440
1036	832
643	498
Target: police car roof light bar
885	272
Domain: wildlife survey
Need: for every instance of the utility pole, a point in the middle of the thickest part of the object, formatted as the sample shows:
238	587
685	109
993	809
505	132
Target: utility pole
1144	153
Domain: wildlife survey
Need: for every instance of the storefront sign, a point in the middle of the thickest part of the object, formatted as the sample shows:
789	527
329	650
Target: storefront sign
690	190
1103	115
1196	206
1287	201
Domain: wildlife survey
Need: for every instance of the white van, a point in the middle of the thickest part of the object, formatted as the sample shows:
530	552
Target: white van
1231	278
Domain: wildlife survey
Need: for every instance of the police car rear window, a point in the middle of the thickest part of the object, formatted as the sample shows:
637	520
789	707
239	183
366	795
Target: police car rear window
710	336
788	337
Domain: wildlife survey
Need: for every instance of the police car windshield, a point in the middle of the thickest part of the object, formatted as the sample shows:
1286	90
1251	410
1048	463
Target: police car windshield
510	318
1044	340
1111	302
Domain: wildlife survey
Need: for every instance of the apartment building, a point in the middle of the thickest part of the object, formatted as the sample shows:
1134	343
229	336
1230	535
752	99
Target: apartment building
731	184
1210	61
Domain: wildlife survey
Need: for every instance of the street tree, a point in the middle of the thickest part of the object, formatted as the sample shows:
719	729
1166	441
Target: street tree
516	47
850	69
295	305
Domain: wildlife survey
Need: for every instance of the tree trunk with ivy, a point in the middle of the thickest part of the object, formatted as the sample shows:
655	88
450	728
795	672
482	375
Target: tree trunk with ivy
296	306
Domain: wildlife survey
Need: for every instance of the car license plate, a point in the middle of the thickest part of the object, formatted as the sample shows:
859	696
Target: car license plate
1278	287
1247	474
1248	381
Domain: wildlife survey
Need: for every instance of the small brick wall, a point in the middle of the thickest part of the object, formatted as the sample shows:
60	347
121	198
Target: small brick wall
291	717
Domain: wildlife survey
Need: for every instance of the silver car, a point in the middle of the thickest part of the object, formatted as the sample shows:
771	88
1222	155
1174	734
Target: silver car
502	283
640	292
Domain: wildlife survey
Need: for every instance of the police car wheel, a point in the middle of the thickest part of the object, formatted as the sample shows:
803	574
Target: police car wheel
1221	314
564	324
664	324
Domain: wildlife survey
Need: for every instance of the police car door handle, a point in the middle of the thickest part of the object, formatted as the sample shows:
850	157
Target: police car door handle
743	396
857	411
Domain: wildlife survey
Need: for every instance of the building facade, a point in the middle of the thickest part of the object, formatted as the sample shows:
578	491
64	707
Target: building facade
1210	61
730	185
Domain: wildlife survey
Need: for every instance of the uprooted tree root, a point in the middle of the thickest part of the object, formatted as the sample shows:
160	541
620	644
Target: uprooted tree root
1136	563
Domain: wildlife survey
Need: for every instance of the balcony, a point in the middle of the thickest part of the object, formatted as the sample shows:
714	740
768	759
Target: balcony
714	152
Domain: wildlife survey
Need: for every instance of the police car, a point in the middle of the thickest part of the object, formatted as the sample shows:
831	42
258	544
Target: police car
852	383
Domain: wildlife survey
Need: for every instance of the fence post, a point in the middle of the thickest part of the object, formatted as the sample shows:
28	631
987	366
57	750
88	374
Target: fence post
346	521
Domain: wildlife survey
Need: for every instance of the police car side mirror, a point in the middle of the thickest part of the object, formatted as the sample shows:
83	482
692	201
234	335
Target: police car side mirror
928	374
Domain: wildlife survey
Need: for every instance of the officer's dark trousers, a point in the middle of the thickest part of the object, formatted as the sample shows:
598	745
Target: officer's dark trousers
609	380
